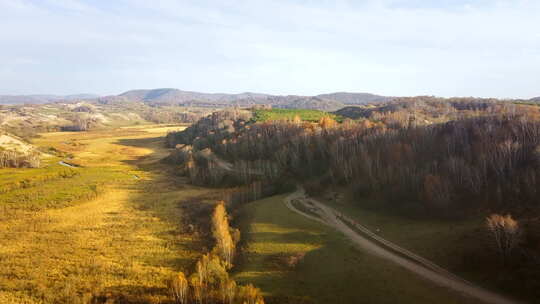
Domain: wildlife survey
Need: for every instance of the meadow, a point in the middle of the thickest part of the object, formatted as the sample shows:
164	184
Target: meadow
118	224
297	260
262	115
110	229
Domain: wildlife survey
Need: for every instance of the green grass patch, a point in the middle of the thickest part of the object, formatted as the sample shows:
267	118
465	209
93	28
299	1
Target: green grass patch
17	178
53	186
262	115
456	245
442	241
332	270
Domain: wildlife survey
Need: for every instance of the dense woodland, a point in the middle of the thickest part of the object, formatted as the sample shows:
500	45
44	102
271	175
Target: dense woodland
485	159
424	157
14	159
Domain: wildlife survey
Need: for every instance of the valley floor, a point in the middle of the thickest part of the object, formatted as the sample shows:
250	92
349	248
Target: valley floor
112	229
122	245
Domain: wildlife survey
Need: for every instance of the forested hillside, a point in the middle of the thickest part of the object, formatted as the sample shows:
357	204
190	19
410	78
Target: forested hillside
423	157
332	101
479	156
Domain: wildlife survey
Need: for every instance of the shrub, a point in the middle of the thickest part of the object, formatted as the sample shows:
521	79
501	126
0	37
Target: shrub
506	233
179	288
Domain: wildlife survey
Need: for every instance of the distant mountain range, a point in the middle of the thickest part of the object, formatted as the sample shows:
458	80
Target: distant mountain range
172	96
41	99
169	96
327	102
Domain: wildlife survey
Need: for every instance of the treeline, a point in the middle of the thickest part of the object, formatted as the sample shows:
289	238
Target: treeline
173	115
14	159
479	162
487	161
210	283
468	160
226	237
208	130
255	190
82	121
425	110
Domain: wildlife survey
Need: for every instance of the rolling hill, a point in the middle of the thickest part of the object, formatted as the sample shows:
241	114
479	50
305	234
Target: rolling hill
329	102
168	95
171	96
41	99
355	98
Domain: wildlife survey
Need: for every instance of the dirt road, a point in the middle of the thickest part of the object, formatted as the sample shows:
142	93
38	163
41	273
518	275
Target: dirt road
387	250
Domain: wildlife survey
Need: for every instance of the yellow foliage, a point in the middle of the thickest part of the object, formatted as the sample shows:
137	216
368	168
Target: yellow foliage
179	288
222	233
505	231
326	122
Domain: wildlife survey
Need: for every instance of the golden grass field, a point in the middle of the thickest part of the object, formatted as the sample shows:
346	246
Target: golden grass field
121	244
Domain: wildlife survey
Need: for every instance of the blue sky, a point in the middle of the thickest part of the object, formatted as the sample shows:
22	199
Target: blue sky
391	47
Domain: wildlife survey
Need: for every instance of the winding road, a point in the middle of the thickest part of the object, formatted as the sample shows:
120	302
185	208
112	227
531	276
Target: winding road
383	248
378	246
63	163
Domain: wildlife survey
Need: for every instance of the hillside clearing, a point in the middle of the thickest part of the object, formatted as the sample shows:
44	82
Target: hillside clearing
369	241
449	243
330	268
289	114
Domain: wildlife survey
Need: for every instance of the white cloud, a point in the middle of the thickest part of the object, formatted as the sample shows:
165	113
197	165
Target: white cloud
70	5
458	47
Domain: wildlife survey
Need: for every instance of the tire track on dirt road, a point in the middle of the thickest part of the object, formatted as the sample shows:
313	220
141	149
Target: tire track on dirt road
387	250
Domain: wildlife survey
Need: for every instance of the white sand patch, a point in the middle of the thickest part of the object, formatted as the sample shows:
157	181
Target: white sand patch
14	144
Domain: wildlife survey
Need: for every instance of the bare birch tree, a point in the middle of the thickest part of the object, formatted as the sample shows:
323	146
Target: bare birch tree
505	231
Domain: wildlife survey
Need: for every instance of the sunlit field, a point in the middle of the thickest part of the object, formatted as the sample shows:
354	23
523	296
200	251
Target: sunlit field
108	228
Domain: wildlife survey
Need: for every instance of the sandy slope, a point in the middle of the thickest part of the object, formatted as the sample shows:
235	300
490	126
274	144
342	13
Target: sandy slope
12	143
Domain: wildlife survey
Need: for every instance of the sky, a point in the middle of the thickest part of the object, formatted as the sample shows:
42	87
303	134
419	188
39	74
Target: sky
482	48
